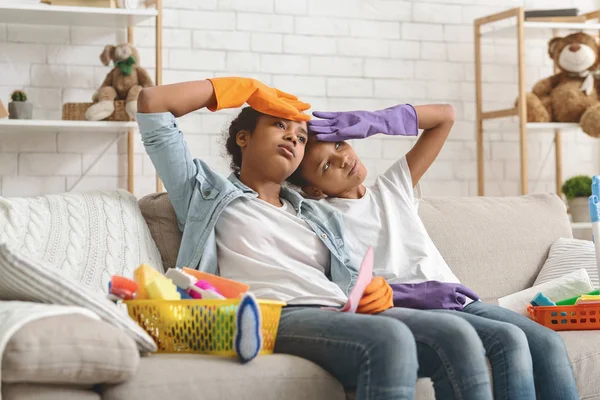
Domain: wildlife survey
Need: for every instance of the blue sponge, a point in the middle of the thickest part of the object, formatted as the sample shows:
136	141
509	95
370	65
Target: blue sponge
540	299
248	336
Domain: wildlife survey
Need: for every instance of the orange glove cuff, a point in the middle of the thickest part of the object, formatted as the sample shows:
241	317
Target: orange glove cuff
231	92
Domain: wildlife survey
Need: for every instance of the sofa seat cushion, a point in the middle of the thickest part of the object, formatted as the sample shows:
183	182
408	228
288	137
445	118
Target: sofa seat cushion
584	353
191	376
69	349
29	391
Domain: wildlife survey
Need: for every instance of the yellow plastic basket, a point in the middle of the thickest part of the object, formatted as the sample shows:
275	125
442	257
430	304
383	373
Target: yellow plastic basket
200	326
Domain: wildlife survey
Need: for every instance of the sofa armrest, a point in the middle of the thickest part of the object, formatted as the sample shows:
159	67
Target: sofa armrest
71	349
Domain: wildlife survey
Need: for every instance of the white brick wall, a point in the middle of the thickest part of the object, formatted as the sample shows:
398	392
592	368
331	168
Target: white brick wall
336	54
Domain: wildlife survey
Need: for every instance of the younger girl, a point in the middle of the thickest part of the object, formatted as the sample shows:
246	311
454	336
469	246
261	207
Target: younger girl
386	215
250	228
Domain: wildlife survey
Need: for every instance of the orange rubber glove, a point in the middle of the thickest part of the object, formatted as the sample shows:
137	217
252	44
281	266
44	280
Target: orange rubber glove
378	297
233	92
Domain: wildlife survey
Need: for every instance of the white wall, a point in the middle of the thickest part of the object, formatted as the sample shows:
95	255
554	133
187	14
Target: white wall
336	54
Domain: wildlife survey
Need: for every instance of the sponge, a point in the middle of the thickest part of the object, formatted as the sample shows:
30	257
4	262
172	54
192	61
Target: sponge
144	275
162	288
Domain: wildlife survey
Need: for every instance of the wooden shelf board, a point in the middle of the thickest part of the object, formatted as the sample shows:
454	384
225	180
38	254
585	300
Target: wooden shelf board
552	125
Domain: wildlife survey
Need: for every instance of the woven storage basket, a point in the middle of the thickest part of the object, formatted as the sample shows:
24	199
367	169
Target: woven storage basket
76	112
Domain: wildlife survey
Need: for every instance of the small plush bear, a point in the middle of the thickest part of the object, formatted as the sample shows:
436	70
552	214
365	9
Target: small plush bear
572	94
123	82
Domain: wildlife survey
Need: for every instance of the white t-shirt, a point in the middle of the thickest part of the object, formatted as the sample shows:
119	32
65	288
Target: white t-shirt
387	218
276	253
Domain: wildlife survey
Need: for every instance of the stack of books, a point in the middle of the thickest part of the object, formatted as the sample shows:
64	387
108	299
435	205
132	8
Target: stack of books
555	15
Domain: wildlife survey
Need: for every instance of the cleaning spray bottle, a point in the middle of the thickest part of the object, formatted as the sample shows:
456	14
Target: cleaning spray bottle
593	200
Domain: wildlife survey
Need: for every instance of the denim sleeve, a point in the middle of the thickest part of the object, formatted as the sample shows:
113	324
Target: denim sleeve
171	157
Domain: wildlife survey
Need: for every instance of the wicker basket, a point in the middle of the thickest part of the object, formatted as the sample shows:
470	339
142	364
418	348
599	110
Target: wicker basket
76	112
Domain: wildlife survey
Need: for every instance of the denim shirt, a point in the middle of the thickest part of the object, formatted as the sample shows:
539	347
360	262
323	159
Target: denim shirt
199	195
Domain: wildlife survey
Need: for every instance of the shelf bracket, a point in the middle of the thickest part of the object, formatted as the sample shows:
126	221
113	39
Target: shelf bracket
84	174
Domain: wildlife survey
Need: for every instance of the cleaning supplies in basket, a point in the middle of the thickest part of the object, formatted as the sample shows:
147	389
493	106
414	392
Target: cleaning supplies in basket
197	289
209	324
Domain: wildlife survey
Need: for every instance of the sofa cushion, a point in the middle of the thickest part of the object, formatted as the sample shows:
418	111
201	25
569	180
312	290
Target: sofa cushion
495	245
89	236
25	279
69	349
584	352
568	255
162	222
190	376
28	391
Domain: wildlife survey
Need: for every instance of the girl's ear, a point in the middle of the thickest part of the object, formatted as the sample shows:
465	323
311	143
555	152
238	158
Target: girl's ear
313	192
241	139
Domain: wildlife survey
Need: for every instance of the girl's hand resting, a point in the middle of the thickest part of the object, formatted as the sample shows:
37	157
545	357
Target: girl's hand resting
377	297
338	126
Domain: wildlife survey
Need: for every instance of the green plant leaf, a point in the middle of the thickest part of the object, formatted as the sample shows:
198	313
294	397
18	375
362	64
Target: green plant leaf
577	186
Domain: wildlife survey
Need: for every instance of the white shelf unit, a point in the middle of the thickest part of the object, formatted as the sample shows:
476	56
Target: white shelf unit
581	225
50	126
45	14
513	24
540	29
114	18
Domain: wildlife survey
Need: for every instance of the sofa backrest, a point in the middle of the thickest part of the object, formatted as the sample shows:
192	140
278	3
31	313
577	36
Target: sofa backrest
160	217
495	245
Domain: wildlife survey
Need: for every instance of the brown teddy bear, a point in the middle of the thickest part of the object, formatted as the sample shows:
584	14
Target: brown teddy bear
572	94
123	82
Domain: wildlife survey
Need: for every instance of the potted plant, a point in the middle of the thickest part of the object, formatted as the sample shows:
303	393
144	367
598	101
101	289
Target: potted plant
577	190
19	107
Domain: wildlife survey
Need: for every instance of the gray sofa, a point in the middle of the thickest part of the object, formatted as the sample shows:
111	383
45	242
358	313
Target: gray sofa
495	245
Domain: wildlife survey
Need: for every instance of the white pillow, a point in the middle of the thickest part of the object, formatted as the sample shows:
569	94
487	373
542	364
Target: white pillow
89	236
569	285
25	279
568	255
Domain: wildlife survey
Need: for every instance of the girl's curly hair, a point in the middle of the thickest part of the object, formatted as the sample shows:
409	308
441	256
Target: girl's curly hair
246	120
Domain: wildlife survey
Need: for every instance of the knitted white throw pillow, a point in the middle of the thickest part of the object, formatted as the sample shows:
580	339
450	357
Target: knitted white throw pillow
88	236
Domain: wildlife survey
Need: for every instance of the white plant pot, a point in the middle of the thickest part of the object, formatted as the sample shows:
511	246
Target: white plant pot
579	209
20	110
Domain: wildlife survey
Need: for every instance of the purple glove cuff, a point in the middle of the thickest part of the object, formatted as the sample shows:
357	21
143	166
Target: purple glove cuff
401	120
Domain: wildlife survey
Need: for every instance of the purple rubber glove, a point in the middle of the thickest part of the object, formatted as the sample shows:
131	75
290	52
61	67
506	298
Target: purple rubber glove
432	295
336	126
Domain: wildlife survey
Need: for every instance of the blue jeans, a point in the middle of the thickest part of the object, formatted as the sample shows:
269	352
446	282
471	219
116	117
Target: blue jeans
373	355
552	371
380	356
449	352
